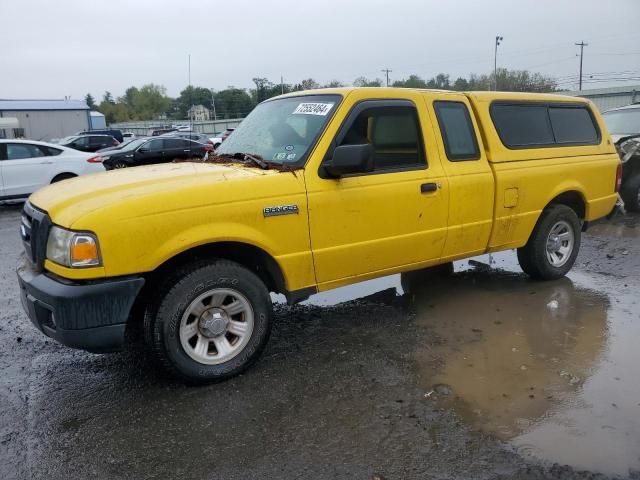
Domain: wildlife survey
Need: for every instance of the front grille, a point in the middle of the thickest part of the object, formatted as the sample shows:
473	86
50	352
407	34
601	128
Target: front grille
34	230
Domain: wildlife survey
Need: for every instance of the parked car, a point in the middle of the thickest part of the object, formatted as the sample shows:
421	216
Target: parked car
126	142
148	151
624	122
196	137
217	140
27	165
128	135
388	181
161	131
117	134
89	143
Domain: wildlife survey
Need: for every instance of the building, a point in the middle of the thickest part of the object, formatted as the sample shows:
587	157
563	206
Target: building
608	98
199	113
98	121
42	119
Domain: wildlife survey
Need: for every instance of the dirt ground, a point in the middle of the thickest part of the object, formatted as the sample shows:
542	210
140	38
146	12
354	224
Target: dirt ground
483	374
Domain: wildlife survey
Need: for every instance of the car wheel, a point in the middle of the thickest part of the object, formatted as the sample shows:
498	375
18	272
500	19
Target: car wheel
210	321
630	193
62	176
216	146
119	164
553	246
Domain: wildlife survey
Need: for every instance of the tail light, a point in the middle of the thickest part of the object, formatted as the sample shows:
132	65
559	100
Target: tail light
96	159
618	177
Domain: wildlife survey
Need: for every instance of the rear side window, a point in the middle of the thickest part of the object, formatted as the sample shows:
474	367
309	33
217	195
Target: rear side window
573	125
460	141
19	151
544	125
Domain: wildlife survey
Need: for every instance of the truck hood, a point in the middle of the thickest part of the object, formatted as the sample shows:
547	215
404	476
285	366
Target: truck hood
67	201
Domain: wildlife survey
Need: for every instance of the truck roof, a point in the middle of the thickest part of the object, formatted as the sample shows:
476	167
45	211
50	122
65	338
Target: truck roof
479	96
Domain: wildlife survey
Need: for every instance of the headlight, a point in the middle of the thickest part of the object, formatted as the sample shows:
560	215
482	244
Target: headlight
73	249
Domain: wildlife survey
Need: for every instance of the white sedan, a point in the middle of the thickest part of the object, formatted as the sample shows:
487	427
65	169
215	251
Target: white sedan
27	165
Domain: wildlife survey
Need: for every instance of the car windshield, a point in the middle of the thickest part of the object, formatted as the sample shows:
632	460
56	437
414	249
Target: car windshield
65	140
282	130
623	122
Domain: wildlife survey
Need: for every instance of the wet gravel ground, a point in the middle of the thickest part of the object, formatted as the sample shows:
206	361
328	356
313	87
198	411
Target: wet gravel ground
342	391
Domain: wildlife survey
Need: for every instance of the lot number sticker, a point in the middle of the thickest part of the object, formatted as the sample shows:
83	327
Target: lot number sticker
313	109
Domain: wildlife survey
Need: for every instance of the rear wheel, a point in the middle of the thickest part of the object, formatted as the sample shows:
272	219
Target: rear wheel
210	321
553	246
630	193
119	164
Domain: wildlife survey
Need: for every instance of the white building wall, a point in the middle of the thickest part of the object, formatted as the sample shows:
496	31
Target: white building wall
47	124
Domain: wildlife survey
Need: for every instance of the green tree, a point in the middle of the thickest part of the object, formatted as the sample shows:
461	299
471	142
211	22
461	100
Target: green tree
90	101
107	97
193	96
365	82
414	81
461	84
233	103
333	84
440	81
309	84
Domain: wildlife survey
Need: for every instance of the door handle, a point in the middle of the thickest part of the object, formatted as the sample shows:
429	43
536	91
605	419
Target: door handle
45	163
429	187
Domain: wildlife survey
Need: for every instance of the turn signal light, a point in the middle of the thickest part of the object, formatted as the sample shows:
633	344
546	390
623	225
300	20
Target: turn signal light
618	177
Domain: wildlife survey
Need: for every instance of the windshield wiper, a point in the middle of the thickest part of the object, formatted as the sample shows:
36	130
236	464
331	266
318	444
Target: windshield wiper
258	161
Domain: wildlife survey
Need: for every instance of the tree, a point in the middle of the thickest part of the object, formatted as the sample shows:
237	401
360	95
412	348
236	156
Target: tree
461	84
414	81
191	96
91	103
107	97
333	84
440	81
233	103
365	82
309	84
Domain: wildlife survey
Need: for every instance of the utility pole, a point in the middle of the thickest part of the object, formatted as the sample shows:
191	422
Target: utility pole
213	104
495	62
190	98
387	71
581	45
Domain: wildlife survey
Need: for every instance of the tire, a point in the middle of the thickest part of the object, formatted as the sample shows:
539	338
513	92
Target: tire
193	330
62	176
119	164
553	245
630	193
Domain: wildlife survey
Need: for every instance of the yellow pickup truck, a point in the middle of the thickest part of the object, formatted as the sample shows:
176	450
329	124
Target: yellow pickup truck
313	191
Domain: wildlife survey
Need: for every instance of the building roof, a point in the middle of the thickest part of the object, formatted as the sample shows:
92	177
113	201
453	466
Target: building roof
603	91
93	113
12	105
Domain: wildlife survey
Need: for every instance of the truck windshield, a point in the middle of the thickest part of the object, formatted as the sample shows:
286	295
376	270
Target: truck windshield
282	130
623	122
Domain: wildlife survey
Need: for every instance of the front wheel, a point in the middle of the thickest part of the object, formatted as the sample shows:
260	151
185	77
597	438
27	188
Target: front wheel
553	246
210	322
119	165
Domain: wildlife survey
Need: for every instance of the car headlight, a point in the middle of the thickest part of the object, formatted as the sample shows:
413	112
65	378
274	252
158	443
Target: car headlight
73	249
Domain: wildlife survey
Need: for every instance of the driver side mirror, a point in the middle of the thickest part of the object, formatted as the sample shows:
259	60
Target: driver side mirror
350	159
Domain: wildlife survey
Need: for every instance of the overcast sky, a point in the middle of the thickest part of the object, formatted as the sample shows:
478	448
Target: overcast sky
70	47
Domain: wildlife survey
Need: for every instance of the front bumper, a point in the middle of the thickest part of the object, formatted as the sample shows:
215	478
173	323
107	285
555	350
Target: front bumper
90	316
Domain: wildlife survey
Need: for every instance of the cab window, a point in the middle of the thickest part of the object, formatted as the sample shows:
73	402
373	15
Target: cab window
393	131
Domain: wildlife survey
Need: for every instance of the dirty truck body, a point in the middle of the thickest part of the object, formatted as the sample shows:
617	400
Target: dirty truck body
374	182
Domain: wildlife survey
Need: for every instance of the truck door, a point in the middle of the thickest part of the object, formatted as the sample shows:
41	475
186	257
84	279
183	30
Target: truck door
368	224
471	181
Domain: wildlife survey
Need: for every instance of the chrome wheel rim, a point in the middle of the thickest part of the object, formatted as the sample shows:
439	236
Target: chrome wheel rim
216	326
560	243
119	165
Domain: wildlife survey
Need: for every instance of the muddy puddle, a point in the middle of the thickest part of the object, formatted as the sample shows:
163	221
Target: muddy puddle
550	367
